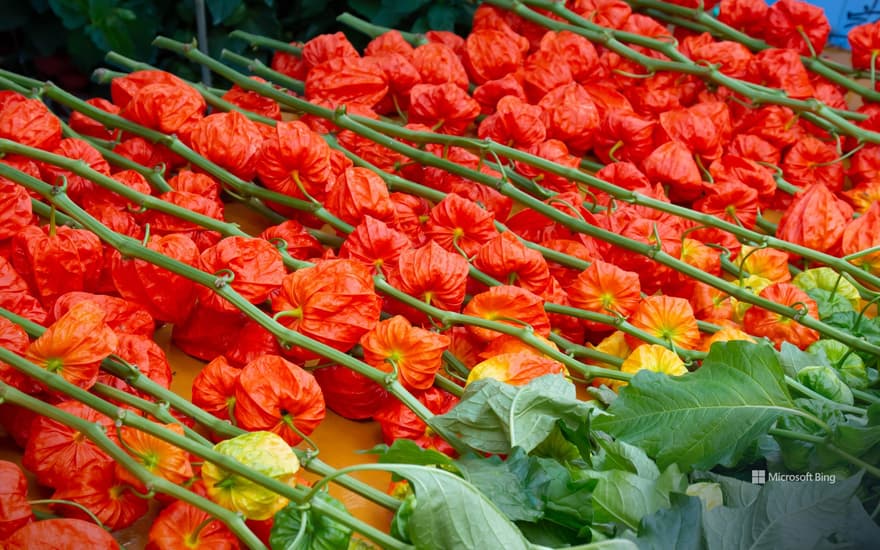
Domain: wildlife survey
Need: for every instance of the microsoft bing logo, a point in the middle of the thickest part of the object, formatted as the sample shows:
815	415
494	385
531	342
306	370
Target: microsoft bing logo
759	477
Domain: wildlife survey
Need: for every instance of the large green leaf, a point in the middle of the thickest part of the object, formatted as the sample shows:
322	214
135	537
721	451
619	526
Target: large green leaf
624	497
706	417
531	489
452	513
675	527
494	417
619	455
503	483
792	515
72	13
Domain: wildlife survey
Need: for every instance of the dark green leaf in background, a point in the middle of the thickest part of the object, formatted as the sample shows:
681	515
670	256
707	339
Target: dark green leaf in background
72	13
221	9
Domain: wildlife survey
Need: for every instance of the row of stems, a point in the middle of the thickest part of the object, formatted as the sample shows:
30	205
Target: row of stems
81	168
133	248
59	384
130	374
94	432
361	127
227	229
618	42
618	193
702	21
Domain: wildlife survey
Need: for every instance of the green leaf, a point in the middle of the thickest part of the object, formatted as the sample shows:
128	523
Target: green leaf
619	455
557	447
829	303
366	8
793	359
789	515
858	436
530	489
625	497
83	51
858	326
441	17
392	12
405	451
706	417
676	527
400	521
826	382
850	366
320	532
610	544
40	6
73	14
494	417
502	483
567	498
100	9
221	9
452	513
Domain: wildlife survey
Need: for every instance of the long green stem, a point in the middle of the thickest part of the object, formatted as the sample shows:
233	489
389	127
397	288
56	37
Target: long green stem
794	384
153	409
528	337
95	433
259	68
258	41
374	30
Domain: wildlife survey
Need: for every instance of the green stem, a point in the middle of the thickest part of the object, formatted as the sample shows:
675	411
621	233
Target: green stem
153	409
257	41
823	442
259	68
132	248
375	30
528	337
72	504
865	396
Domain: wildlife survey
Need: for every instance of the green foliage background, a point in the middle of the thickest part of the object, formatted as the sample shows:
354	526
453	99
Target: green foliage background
86	29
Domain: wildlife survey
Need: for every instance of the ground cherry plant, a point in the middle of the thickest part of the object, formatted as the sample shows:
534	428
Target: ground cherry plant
599	270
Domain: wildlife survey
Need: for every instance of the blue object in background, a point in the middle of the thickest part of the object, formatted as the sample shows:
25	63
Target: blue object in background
843	15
